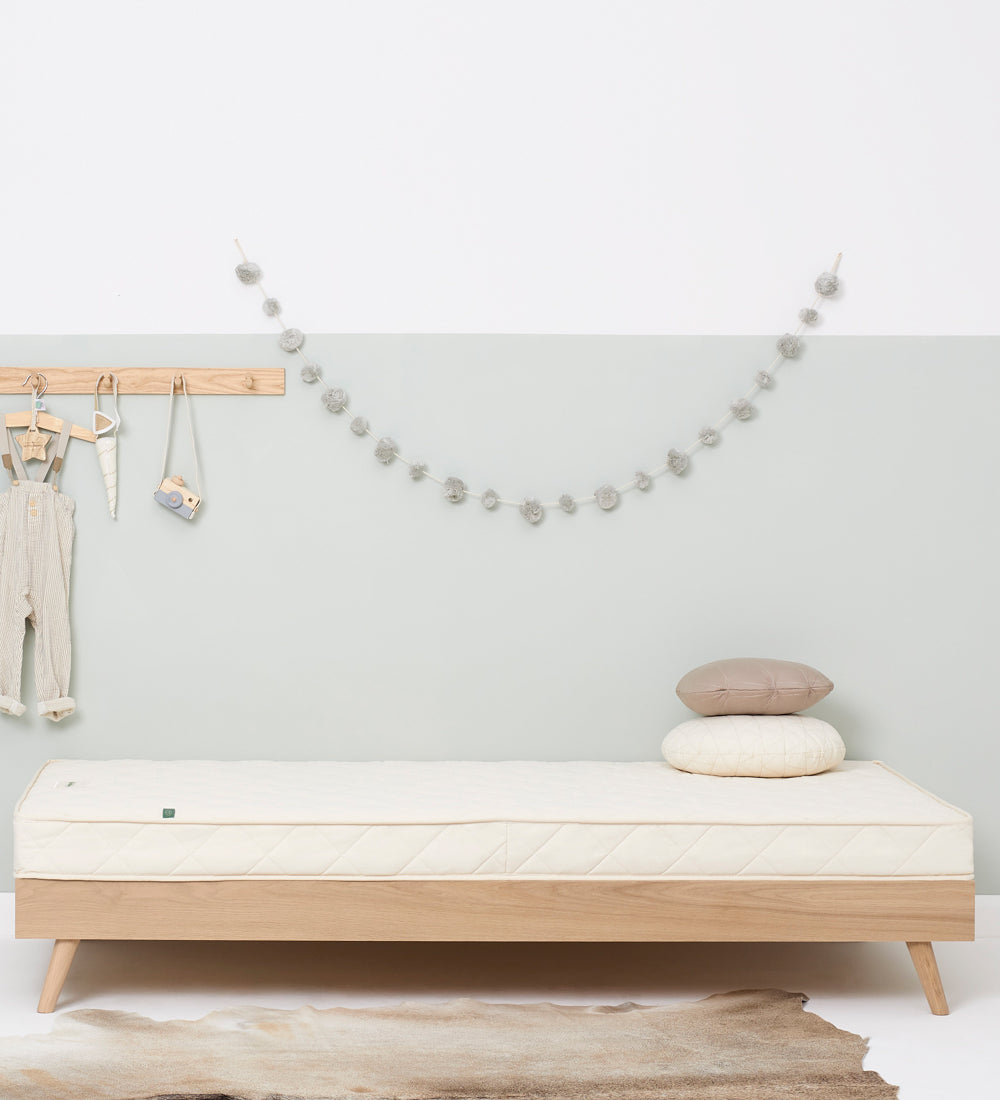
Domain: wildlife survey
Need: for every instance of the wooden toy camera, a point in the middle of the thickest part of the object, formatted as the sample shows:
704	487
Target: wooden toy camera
176	496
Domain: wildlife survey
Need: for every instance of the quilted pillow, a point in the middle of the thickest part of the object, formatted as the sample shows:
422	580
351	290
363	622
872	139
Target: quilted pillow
769	746
752	685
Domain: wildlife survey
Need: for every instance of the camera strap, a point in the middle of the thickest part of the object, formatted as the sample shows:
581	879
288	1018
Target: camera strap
166	445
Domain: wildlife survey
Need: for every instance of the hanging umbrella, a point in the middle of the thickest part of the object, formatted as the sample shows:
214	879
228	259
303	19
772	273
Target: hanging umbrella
107	444
107	456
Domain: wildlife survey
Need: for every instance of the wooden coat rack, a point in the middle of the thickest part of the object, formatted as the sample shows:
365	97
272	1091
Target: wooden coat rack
267	381
262	382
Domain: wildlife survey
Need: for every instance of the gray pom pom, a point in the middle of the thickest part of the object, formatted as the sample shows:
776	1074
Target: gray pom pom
827	284
417	470
741	409
290	340
359	425
248	273
454	489
808	316
271	306
642	481
606	497
708	436
309	373
788	345
489	499
385	450
763	379
335	399
567	503
677	461
532	510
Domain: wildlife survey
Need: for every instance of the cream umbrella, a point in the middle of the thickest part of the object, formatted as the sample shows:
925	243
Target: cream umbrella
107	444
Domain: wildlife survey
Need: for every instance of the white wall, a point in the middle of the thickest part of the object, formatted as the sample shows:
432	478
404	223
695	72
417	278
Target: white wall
524	166
521	168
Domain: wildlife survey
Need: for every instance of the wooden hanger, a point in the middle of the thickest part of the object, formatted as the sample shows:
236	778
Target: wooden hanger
44	419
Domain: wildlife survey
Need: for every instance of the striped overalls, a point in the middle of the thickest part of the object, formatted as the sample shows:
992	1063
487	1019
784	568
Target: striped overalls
36	543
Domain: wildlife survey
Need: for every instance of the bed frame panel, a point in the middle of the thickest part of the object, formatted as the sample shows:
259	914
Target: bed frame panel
917	911
492	910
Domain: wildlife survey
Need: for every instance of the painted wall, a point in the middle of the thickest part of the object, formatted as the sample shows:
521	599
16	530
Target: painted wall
324	605
499	165
564	166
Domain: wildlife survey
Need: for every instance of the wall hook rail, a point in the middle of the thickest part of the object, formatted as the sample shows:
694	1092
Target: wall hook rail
263	382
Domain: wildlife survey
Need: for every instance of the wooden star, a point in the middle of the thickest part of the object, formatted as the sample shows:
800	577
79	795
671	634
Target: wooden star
33	444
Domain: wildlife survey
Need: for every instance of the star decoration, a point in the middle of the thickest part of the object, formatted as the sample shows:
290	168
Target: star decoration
33	444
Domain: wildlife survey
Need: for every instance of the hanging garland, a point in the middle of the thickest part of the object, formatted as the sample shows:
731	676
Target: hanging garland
607	496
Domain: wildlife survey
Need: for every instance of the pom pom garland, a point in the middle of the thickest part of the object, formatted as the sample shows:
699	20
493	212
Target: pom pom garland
335	399
248	273
454	489
827	284
788	345
677	461
533	510
385	450
291	339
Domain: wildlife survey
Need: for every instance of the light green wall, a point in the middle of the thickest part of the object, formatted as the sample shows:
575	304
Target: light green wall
325	606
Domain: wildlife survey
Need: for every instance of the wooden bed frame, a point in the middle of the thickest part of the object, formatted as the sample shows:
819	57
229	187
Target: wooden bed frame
915	911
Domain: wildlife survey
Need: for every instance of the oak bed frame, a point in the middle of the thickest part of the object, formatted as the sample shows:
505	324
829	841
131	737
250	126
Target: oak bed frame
914	911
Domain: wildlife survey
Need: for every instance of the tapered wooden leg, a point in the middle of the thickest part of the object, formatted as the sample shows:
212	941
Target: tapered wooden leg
927	971
62	959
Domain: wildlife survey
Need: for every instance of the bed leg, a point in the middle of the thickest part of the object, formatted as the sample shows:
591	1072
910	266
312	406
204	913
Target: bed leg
59	964
927	971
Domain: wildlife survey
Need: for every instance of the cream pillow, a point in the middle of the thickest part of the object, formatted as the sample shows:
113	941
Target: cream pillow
752	685
769	746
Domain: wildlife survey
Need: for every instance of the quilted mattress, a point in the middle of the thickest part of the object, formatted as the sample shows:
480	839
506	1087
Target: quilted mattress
198	819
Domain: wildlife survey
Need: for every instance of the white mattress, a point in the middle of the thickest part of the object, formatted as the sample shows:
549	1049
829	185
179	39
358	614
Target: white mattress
515	819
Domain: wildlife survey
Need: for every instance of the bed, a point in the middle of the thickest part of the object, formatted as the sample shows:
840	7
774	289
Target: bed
492	851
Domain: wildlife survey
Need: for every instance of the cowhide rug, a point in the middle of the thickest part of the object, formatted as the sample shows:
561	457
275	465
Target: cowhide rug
756	1045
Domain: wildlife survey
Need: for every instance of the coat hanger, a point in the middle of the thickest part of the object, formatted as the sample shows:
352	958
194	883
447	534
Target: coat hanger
43	419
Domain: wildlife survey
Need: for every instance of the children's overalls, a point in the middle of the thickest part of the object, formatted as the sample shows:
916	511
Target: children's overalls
36	543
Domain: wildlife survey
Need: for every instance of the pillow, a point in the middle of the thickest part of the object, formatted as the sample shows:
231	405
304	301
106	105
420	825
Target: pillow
752	685
769	746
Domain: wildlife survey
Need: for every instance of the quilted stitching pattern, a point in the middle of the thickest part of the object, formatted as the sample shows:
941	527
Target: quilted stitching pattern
540	849
858	821
772	746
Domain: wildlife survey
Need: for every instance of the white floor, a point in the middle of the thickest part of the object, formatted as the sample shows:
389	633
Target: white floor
870	989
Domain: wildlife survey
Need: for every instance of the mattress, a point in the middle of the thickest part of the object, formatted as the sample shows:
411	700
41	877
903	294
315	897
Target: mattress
204	819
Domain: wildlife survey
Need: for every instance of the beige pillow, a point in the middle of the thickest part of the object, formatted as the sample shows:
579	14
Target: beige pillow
769	746
752	685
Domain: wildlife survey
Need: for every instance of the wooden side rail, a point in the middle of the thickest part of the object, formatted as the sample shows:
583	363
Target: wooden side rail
695	910
497	910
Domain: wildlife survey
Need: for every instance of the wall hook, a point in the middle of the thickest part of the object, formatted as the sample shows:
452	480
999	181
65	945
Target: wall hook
37	380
